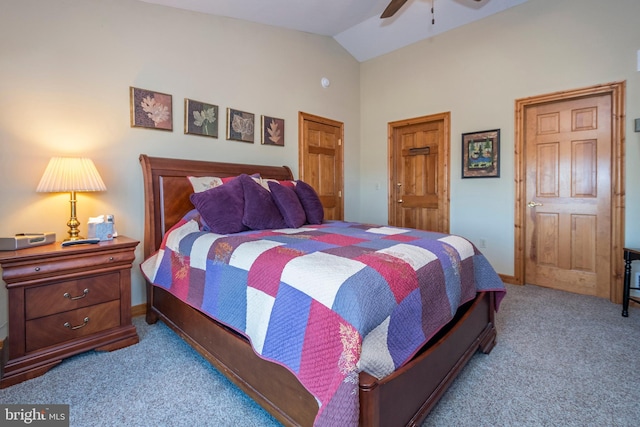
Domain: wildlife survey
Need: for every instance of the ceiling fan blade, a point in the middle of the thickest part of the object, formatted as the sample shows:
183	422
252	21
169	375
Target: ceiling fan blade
393	7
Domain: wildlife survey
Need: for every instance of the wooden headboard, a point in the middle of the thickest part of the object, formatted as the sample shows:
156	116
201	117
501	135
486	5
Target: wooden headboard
167	190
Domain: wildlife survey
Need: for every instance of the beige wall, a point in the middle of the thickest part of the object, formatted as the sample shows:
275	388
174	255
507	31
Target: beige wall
477	72
65	71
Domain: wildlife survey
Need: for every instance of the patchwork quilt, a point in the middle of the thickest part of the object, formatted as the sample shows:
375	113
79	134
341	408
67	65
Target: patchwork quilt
325	301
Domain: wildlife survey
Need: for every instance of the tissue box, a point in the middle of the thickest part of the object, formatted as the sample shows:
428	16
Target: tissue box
101	230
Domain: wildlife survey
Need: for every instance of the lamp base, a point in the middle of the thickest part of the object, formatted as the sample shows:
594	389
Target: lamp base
73	224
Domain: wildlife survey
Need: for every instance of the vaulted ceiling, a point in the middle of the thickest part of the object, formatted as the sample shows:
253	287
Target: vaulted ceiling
355	24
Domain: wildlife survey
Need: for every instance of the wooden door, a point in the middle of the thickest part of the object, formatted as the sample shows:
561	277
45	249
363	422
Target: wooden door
320	161
568	195
419	173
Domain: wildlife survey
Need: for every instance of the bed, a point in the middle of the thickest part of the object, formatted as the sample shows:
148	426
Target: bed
402	397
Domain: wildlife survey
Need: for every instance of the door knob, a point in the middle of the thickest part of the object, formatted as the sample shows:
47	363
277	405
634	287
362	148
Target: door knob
533	204
400	201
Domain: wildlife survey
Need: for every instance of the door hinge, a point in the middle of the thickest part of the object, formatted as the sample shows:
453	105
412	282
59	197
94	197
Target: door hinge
340	193
339	142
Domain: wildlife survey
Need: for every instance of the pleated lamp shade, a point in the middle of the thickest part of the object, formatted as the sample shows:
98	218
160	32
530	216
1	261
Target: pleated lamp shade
70	174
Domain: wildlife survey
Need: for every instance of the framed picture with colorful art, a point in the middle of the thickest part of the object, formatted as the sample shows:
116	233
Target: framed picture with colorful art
240	125
150	109
272	131
481	154
200	118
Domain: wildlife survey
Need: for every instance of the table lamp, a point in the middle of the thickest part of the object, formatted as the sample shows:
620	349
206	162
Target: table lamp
71	174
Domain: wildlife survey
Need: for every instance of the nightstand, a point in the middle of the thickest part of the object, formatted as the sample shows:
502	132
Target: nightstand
64	301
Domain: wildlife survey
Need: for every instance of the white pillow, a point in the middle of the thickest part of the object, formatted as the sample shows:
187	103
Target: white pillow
204	183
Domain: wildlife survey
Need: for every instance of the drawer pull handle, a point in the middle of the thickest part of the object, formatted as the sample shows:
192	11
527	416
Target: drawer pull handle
73	328
84	294
37	269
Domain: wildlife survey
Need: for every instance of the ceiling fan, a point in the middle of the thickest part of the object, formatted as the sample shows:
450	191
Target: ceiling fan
393	7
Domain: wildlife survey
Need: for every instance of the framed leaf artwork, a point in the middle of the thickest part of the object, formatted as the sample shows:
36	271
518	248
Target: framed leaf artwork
240	125
272	131
150	109
200	118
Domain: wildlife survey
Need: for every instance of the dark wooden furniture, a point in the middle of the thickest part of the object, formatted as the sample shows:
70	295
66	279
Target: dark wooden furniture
64	301
630	254
402	398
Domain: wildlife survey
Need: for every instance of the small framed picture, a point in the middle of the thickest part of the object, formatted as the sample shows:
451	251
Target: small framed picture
149	109
481	154
200	118
240	125
272	131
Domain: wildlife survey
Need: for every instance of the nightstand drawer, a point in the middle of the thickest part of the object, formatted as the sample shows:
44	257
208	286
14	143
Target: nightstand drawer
58	328
67	263
72	294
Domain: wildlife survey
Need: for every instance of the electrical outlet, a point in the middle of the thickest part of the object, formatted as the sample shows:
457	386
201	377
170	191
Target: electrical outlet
637	282
482	243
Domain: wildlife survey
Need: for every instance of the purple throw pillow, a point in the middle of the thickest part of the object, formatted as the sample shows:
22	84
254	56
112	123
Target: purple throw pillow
221	208
310	202
260	211
289	204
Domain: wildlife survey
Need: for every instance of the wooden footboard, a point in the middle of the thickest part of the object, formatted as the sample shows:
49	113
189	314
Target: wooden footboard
403	398
408	395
